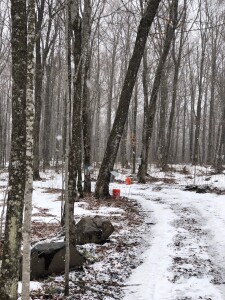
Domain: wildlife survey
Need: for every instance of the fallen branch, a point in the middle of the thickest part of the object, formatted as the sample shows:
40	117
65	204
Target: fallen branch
104	283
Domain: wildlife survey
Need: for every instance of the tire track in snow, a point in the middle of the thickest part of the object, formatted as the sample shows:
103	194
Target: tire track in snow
179	263
151	275
191	259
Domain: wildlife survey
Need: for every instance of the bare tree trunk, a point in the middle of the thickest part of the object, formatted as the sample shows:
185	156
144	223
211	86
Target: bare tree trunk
221	146
134	129
58	154
184	128
192	117
177	63
29	150
145	91
75	155
96	143
154	94
47	118
123	147
17	169
212	100
69	209
123	143
102	185
7	123
177	125
38	90
111	83
162	119
77	101
204	128
86	95
198	116
1	135
41	58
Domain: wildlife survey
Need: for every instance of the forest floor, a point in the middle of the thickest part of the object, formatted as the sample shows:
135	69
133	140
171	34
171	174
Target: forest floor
168	242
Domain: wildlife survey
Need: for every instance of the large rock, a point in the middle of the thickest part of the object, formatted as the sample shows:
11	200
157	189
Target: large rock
93	230
49	258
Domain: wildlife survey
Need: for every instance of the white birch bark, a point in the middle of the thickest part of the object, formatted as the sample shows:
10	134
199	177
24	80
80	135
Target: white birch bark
29	150
17	166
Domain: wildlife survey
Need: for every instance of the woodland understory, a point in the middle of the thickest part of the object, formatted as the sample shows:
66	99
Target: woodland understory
86	86
190	95
108	265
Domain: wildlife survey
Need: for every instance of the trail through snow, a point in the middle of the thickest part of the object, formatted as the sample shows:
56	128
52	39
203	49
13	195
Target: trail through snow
185	259
184	248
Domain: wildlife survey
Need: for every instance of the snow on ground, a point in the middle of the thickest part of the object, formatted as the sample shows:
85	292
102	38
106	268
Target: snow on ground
34	285
178	239
186	258
181	262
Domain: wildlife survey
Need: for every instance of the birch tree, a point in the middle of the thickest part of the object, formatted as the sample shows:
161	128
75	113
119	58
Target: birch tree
17	168
29	150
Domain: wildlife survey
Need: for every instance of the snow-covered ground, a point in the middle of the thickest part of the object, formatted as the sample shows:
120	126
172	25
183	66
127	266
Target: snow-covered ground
185	259
178	239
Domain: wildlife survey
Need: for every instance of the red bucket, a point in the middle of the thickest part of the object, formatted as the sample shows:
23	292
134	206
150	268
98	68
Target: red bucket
128	181
116	193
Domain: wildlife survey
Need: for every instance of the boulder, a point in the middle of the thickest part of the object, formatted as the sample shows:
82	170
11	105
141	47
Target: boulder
49	258
93	230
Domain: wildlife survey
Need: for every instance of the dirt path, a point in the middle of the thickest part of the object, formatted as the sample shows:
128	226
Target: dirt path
181	259
192	257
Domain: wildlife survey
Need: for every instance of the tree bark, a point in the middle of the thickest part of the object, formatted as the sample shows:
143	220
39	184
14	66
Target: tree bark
154	94
134	129
47	117
29	150
212	103
184	127
123	148
74	168
221	146
198	116
17	168
69	209
41	58
204	127
145	92
38	90
162	120
111	84
177	62
96	143
86	32
102	185
192	117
